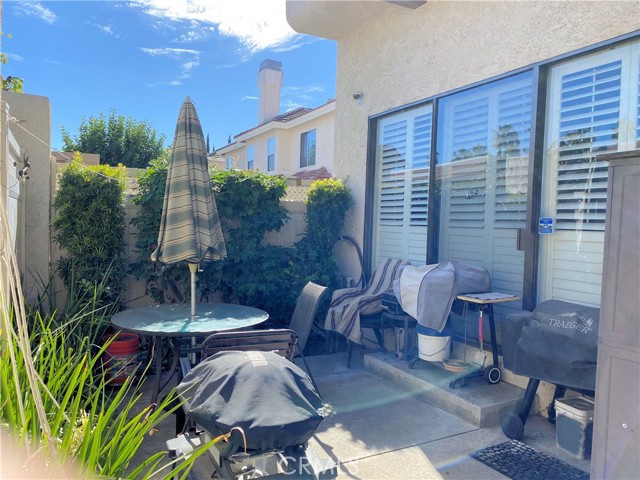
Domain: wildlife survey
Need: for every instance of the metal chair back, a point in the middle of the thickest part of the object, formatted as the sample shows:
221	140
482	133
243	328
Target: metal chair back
282	341
305	311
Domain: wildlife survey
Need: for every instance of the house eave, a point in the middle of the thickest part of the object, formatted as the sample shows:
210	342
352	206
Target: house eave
274	125
229	148
334	19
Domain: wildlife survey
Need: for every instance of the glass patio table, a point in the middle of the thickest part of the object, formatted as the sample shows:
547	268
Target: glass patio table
175	321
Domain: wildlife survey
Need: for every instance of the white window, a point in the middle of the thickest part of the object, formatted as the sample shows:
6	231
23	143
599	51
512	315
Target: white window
592	108
229	163
308	148
402	185
482	172
271	154
250	157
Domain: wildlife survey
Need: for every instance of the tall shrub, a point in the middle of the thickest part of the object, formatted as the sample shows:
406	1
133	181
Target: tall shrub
117	139
327	204
249	206
89	226
158	278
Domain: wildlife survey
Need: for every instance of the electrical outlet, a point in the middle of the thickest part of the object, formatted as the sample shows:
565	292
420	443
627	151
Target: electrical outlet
480	358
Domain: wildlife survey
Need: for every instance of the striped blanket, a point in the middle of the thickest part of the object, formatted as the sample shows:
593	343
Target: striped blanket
347	304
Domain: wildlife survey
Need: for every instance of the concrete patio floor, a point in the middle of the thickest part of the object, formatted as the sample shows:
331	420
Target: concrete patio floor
379	430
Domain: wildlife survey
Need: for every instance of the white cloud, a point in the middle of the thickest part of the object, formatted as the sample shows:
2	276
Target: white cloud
175	53
106	29
15	57
195	33
189	59
36	9
304	96
291	105
295	45
249	97
257	24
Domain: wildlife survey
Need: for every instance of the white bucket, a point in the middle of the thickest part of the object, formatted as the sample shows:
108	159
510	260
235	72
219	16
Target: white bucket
433	349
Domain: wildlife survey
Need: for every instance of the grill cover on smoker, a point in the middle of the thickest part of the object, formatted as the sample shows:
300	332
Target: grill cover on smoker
427	293
558	343
269	397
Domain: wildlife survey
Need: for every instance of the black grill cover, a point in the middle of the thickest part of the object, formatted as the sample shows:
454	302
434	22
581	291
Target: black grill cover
559	344
269	397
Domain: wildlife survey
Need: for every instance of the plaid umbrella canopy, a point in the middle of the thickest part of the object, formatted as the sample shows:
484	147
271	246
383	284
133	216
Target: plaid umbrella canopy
190	227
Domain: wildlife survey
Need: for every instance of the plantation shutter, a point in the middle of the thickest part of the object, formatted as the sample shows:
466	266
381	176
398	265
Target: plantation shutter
589	113
392	167
403	155
511	141
420	171
469	132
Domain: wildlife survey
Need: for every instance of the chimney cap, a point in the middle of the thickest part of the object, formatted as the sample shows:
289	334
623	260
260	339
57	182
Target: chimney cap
271	65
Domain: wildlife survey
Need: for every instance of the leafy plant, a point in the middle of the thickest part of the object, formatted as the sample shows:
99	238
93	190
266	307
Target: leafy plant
89	226
117	139
249	205
93	429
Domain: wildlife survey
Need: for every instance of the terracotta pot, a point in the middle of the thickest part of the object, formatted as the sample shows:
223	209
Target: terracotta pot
120	358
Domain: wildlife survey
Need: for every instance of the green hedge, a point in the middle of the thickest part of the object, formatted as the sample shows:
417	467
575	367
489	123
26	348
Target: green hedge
89	227
249	206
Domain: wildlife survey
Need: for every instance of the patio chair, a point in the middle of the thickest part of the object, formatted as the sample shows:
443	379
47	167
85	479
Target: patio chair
353	309
305	312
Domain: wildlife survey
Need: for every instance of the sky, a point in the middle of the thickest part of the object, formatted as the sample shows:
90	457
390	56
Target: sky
142	58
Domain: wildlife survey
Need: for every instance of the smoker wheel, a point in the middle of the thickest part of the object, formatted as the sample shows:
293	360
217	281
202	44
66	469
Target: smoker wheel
512	426
492	374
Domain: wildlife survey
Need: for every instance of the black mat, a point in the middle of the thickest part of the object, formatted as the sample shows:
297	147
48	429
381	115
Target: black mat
521	462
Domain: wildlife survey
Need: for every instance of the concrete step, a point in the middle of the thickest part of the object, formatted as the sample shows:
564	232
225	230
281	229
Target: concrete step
477	402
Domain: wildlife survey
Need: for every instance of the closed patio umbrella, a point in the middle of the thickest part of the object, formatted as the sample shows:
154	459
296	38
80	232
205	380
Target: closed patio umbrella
190	228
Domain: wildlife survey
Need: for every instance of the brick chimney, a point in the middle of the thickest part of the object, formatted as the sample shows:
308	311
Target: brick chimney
269	83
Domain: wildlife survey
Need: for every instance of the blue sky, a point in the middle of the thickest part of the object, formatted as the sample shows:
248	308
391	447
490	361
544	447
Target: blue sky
142	58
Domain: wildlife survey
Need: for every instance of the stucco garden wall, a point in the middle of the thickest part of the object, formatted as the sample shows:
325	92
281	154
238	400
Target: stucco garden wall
408	55
33	114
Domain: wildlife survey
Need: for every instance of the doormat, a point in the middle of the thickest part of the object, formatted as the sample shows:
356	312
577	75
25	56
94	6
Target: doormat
521	462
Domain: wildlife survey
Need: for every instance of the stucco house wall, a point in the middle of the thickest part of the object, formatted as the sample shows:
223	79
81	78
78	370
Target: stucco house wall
406	55
325	127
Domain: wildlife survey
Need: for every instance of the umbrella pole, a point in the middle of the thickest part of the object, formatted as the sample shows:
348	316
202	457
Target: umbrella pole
193	268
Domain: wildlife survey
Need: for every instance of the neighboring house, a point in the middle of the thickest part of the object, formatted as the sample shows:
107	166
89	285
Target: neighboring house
472	121
296	144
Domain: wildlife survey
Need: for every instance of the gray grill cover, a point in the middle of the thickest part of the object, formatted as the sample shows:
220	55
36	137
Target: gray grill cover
269	397
441	285
558	344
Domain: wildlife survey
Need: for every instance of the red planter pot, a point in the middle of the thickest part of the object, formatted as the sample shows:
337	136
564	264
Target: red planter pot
120	358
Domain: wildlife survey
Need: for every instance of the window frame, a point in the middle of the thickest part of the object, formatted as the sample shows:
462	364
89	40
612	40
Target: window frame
305	146
250	157
271	154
